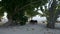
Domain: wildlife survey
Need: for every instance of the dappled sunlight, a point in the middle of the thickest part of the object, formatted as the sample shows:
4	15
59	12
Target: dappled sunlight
40	11
39	19
4	19
58	19
0	0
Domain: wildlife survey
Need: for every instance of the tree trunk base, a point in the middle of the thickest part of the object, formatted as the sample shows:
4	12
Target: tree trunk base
50	25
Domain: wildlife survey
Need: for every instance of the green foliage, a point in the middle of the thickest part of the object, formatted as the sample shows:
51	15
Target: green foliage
24	20
31	13
1	11
16	8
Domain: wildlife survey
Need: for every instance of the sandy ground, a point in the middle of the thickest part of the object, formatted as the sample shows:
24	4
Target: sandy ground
29	29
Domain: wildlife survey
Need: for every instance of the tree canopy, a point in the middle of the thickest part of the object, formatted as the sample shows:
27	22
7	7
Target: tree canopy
16	8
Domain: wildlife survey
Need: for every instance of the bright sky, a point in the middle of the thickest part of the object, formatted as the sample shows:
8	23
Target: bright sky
0	0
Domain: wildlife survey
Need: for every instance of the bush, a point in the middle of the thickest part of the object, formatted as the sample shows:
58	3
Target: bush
24	20
22	23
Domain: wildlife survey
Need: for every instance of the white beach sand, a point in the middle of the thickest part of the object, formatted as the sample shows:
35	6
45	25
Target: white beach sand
29	29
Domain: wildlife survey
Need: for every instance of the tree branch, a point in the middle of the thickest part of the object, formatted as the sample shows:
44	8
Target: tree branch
27	5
